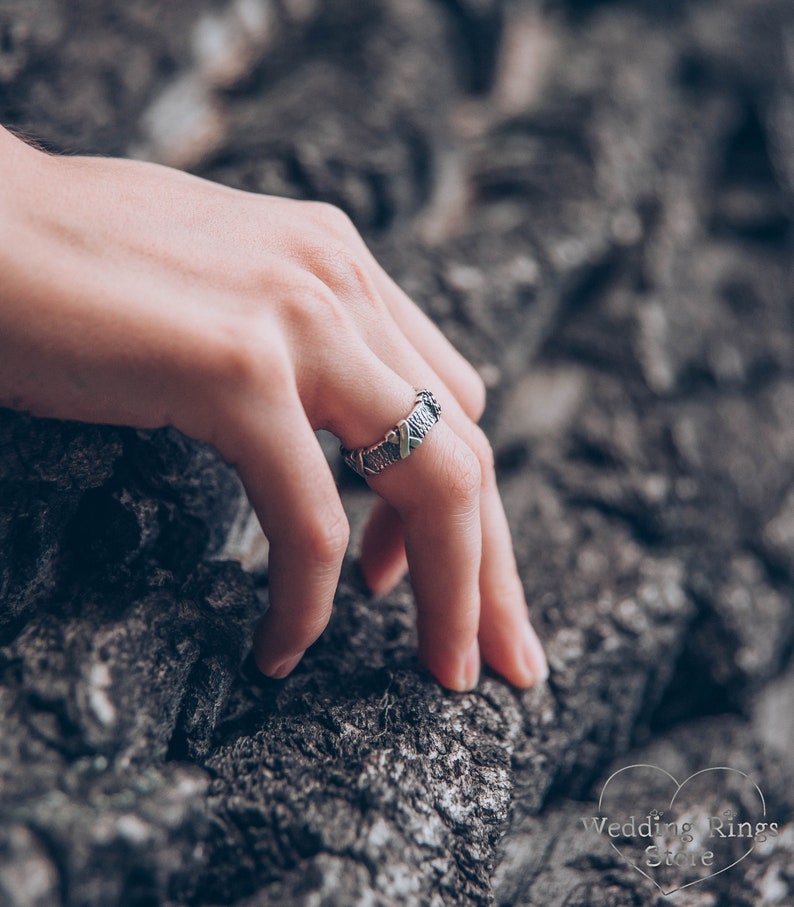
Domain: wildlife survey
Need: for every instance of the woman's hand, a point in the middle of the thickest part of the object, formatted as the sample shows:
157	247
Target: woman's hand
134	294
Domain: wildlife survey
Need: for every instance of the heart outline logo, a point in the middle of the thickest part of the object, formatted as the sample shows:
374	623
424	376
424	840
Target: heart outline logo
678	789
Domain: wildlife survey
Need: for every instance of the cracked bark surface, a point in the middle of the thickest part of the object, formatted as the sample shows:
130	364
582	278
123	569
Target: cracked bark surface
594	202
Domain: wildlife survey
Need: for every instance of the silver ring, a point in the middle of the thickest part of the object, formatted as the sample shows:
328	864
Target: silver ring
397	444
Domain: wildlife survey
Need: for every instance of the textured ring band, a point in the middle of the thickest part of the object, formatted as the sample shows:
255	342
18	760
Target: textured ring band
397	444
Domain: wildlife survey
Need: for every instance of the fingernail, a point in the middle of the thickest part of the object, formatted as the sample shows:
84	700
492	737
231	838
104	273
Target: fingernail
533	656
280	671
469	671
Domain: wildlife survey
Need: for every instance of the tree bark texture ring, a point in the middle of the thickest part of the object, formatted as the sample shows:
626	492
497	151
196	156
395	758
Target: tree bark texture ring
397	444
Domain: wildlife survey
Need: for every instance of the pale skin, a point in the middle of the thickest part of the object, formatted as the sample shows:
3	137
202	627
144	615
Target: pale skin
133	294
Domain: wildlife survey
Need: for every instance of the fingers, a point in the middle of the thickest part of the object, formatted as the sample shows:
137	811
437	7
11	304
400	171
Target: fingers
291	487
359	348
436	494
383	559
508	642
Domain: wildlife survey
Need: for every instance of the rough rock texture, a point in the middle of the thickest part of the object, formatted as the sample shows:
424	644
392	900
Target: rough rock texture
594	201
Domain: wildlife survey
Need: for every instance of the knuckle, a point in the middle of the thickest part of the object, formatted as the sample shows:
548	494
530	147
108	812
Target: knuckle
240	359
314	309
236	360
332	252
482	449
341	269
329	218
325	541
235	368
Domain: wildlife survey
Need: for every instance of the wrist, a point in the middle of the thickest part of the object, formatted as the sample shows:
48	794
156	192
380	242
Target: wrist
18	160
24	174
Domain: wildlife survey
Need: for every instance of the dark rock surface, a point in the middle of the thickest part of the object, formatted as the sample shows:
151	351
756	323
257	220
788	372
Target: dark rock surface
594	202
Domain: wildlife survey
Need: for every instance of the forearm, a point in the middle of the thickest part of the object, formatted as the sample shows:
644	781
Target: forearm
23	172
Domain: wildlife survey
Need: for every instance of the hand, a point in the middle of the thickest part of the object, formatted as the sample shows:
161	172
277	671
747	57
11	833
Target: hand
134	294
